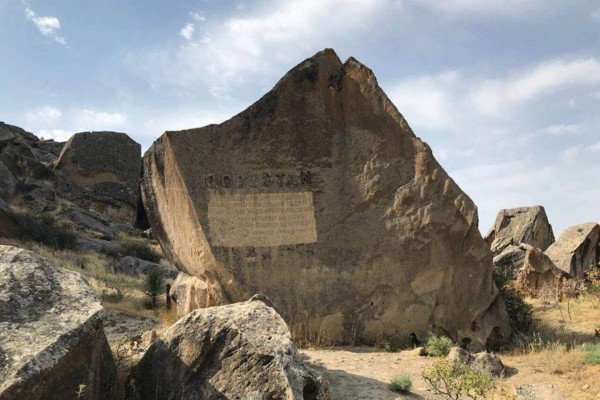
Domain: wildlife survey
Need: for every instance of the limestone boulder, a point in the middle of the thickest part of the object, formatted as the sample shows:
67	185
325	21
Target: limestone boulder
576	250
511	259
514	226
484	361
239	351
108	165
51	336
321	196
190	293
537	271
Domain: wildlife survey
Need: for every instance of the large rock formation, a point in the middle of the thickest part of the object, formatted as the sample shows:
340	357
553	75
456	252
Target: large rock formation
511	259
576	250
108	164
514	226
51	336
320	196
240	351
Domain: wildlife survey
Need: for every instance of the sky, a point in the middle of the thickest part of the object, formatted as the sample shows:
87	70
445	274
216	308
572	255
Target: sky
506	92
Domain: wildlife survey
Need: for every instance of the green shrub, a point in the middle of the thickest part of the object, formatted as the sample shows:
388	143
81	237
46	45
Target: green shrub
520	313
458	381
44	229
401	384
591	352
153	286
438	346
140	249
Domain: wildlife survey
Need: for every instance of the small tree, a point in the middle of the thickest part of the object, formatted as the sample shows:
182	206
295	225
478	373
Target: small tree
154	286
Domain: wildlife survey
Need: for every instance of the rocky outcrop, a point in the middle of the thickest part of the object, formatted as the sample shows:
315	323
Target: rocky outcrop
576	250
51	336
240	351
514	226
488	363
134	266
190	293
108	164
511	259
321	196
537	271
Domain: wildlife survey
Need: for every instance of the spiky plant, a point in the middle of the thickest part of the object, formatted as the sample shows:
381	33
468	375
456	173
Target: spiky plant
153	286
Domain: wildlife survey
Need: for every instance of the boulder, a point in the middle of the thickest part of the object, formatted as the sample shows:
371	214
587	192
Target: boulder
51	336
135	266
239	351
190	293
488	363
576	250
108	165
8	220
511	259
520	225
321	196
537	271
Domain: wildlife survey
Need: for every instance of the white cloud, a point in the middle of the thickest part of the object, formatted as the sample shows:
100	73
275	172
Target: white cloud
594	147
198	17
187	31
59	135
561	129
98	120
45	114
48	26
240	48
595	14
570	153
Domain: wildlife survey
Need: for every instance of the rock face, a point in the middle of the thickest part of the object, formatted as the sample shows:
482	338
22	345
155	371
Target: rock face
320	196
108	164
8	220
514	226
576	250
51	336
537	271
240	351
190	293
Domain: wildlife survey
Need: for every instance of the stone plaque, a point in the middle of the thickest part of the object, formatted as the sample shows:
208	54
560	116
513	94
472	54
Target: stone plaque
262	219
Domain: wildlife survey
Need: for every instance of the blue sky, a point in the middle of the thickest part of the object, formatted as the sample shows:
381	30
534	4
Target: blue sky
506	92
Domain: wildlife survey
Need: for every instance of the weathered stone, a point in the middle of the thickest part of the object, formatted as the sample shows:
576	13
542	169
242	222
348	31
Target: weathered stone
488	363
108	164
576	250
134	266
511	259
89	221
190	293
322	197
8	220
538	271
521	225
240	351
97	245
7	182
51	336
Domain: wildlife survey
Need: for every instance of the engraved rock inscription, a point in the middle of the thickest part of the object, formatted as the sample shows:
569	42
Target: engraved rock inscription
261	219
